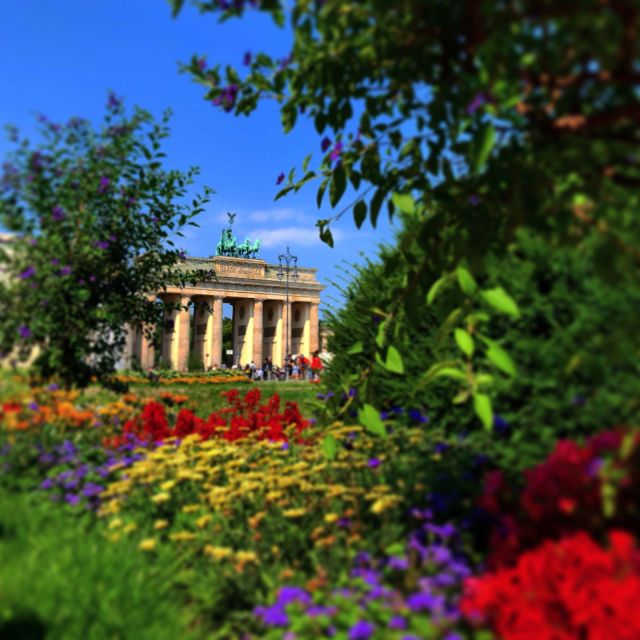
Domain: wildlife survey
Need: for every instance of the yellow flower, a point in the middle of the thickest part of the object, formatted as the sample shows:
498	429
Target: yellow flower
160	524
203	521
147	545
294	513
217	553
182	536
160	497
131	527
190	508
330	518
168	485
114	524
246	556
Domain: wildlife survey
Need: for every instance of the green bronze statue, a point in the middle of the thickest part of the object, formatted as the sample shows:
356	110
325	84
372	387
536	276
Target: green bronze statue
229	245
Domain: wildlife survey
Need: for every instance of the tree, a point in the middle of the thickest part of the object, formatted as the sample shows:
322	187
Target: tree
472	119
94	212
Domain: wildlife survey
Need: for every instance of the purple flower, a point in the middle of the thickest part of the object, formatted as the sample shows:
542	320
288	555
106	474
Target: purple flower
101	244
374	463
72	499
65	271
33	406
424	602
24	332
113	101
182	255
33	242
285	446
273	616
280	179
289	594
325	144
247	58
53	387
361	630
337	151
92	489
440	447
397	623
46	484
57	213
477	101
104	184
500	425
417	416
474	200
202	64
352	392
29	272
92	278
55	262
398	563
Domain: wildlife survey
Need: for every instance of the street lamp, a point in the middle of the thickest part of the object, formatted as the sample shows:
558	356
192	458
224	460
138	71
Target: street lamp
288	263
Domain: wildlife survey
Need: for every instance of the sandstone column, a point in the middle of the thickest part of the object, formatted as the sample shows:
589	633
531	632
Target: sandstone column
286	330
314	329
182	328
147	356
257	332
216	338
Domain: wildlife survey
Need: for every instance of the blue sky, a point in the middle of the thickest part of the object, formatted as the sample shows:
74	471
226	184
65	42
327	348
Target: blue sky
61	58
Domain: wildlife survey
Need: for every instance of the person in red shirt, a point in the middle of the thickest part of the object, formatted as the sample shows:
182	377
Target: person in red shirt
316	365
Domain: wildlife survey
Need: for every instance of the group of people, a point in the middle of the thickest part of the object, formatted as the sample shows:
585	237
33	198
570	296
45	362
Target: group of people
295	368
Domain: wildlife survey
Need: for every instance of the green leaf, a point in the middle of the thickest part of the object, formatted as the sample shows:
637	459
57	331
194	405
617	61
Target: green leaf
404	202
482	407
500	300
330	447
176	6
435	288
500	358
464	341
337	186
355	348
305	163
394	360
369	417
360	212
451	372
466	281
327	237
483	146
434	369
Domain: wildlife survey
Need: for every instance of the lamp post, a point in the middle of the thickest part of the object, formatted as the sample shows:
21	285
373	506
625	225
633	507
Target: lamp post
288	263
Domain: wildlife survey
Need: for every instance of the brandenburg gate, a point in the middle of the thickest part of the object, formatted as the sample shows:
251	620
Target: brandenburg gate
262	316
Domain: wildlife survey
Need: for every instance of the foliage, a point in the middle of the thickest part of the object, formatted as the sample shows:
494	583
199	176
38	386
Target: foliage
93	210
467	122
60	578
573	342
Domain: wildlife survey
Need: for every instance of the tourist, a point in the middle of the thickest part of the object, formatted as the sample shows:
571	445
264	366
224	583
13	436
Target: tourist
316	365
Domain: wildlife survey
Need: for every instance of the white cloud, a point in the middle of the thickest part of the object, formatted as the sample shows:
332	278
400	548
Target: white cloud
293	236
276	215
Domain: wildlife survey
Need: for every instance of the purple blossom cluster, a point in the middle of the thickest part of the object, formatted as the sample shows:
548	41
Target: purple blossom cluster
73	480
432	566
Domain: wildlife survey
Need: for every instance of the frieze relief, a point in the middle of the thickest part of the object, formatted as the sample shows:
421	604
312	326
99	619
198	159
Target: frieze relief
237	269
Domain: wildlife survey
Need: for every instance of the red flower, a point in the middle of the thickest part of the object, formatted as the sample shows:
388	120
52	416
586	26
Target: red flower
562	591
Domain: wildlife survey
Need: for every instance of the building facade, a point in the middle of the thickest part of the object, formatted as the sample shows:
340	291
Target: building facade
272	316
